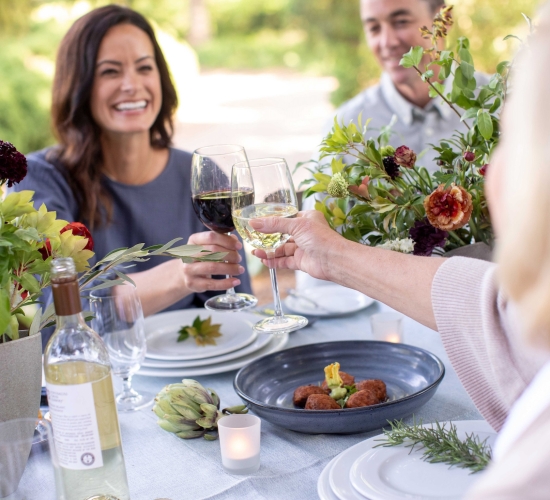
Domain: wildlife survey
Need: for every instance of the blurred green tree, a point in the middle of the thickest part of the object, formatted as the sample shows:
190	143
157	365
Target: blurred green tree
321	37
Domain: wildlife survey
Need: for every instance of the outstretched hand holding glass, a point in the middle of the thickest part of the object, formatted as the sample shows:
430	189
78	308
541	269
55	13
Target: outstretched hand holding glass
264	188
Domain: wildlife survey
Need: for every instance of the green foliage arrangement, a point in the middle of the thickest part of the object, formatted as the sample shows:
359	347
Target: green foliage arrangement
30	239
398	204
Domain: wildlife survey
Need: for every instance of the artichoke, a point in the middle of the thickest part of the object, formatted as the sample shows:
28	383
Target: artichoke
190	411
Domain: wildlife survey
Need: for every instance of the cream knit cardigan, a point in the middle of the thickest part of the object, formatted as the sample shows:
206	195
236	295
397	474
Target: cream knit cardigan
481	334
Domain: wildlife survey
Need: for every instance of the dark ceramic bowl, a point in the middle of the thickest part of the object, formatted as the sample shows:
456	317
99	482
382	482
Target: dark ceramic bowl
267	384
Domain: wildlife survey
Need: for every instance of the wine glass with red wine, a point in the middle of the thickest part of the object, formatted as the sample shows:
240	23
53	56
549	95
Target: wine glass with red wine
211	191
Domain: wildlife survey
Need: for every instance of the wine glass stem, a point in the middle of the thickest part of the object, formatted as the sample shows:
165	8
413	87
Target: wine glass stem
275	286
127	391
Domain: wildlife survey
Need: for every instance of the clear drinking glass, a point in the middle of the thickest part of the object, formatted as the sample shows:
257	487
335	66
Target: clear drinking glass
27	451
264	188
118	319
211	191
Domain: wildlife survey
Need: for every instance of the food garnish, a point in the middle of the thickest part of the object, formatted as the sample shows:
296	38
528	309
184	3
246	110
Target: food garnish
203	331
440	444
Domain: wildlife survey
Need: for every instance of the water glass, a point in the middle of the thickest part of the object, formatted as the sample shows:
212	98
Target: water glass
27	452
118	319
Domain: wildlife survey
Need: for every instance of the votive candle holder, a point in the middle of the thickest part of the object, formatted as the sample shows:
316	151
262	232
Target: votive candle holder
240	443
387	326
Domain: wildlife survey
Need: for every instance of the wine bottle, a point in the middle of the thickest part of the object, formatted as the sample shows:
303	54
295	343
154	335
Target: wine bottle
81	399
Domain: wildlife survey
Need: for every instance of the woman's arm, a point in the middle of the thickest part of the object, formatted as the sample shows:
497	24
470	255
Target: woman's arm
166	284
403	282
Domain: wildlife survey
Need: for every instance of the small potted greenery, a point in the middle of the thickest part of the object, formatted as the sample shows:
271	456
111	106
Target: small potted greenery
29	239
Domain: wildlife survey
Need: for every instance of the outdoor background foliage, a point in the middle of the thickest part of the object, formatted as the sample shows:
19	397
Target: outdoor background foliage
322	37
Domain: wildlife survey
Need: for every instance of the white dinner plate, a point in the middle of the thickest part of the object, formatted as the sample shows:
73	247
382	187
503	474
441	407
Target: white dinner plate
259	342
161	331
323	484
333	300
276	343
395	473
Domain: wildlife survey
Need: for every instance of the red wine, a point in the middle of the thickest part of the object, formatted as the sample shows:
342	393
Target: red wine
214	209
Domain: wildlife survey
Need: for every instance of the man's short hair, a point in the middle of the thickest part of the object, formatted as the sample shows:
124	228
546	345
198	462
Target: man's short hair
435	4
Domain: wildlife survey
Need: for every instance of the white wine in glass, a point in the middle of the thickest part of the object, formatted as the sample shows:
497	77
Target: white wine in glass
264	188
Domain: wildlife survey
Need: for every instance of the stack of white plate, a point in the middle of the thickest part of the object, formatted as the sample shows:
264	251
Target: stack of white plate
238	345
394	473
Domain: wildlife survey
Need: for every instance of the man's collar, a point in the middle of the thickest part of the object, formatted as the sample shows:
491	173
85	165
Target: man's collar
405	109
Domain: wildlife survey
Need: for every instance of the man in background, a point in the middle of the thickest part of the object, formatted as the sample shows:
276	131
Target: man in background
392	27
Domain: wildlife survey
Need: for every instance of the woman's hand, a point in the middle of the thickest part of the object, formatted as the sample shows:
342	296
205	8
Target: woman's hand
401	281
197	277
312	244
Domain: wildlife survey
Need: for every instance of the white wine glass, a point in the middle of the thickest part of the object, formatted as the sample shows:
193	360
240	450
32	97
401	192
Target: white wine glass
118	319
264	188
211	191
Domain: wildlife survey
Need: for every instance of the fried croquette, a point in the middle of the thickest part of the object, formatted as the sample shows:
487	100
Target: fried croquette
304	391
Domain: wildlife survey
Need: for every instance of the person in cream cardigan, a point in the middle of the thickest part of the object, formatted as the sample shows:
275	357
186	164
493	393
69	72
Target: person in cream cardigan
494	319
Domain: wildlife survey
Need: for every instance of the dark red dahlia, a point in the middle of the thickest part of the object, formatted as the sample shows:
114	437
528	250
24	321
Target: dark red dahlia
391	167
405	157
469	156
46	250
426	237
79	229
13	165
483	169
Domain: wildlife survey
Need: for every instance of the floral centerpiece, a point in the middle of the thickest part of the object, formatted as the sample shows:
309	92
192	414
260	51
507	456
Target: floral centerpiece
31	238
383	197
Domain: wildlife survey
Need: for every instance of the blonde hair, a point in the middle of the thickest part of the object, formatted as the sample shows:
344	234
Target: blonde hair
523	248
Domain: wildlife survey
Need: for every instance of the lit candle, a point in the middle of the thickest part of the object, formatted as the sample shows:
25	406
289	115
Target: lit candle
393	337
387	326
240	443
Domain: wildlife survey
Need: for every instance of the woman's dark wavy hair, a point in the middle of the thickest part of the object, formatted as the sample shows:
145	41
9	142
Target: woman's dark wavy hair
79	154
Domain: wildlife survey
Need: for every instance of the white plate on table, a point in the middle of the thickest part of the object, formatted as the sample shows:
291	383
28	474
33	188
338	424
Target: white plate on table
332	300
260	342
276	343
323	484
161	331
396	473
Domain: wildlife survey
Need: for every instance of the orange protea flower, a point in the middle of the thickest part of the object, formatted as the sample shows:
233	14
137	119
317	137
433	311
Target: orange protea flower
450	208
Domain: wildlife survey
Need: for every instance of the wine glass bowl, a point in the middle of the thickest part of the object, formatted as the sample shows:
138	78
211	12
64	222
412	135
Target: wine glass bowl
118	319
211	193
264	188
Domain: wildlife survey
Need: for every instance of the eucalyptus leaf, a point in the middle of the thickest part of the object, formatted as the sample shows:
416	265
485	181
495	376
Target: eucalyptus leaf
485	124
35	325
106	284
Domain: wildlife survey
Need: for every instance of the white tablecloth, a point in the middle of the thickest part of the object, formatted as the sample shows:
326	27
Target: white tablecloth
162	466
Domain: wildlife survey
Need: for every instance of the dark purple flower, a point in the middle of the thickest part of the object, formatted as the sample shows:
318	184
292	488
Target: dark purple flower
391	168
426	237
13	165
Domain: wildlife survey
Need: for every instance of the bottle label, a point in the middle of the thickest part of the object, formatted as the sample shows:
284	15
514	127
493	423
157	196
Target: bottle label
75	427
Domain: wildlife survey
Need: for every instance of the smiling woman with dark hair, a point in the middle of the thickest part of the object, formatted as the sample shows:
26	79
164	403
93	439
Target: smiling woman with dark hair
113	168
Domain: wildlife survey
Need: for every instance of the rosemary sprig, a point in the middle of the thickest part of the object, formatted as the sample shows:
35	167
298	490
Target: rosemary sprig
440	445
